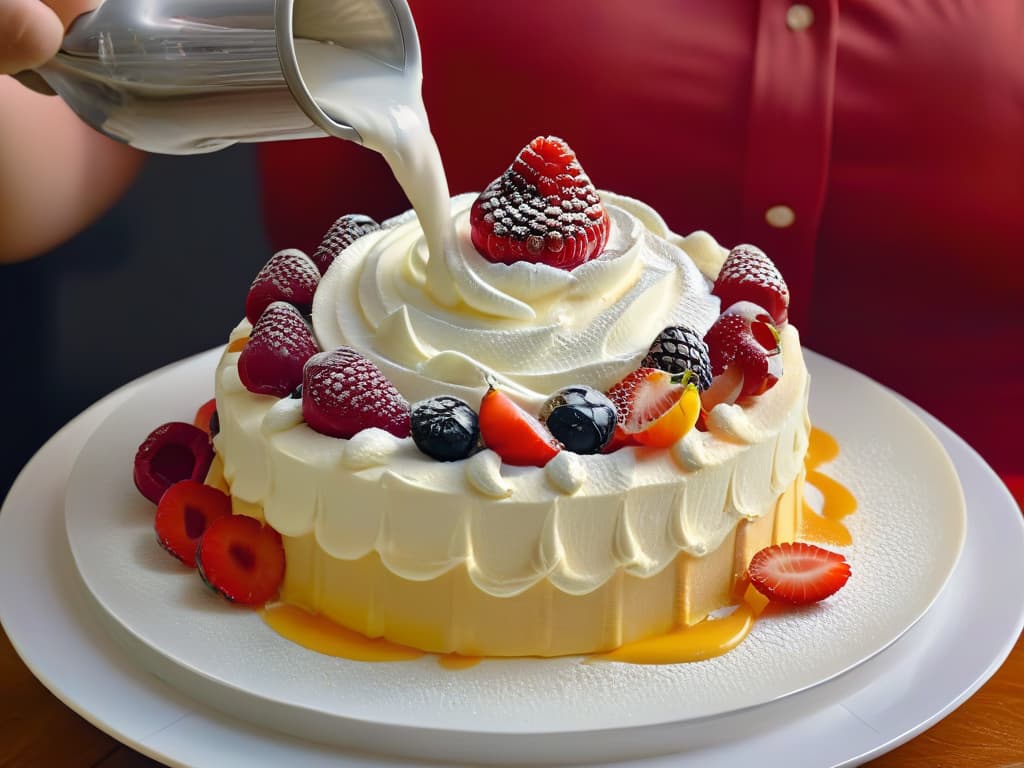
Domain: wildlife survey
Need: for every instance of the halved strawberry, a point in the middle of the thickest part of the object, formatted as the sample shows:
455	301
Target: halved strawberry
204	414
241	559
512	433
184	513
655	407
798	573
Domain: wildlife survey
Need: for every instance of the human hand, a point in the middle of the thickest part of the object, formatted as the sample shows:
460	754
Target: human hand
31	30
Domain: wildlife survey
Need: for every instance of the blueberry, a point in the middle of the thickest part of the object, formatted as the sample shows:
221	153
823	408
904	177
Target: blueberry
581	418
445	428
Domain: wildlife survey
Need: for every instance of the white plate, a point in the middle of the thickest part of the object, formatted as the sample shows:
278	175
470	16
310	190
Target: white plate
935	666
908	537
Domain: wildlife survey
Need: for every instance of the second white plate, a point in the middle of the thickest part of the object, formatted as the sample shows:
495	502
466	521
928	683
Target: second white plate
907	534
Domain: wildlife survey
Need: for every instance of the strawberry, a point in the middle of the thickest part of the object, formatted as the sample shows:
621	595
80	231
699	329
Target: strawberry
279	345
544	209
171	452
204	415
344	393
289	276
183	515
241	559
340	236
749	275
798	573
512	433
654	407
744	336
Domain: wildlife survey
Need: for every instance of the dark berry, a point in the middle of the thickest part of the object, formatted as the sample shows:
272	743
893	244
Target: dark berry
445	428
296	393
581	418
340	236
677	350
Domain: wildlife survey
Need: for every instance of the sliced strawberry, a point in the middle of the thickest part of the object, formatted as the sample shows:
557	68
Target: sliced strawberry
289	276
344	393
512	433
543	209
749	275
279	345
340	236
798	573
241	559
655	407
171	452
745	336
204	414
183	515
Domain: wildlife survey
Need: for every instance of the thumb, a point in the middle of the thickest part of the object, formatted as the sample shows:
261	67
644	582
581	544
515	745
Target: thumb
31	34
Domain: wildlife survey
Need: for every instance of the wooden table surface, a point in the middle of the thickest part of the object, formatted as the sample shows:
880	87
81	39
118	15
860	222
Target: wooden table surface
36	729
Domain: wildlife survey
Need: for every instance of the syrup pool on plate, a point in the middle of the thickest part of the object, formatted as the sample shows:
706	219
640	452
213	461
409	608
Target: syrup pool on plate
705	640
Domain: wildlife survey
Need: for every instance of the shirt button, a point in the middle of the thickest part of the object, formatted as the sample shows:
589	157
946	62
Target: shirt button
799	16
780	216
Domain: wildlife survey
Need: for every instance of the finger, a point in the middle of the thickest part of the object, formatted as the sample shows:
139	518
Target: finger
30	34
69	10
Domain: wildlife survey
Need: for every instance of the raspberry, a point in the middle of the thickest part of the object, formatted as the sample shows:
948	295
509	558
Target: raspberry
749	275
543	209
340	236
171	452
289	276
677	350
279	345
344	393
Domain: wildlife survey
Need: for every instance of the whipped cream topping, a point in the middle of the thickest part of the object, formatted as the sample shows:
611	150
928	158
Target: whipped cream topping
581	519
529	328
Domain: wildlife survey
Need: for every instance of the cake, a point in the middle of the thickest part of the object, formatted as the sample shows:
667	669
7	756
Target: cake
511	548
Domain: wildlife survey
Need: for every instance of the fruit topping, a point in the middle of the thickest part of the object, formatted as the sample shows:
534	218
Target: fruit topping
544	209
445	428
677	350
340	236
172	452
344	393
184	513
241	559
289	276
512	433
238	344
655	408
280	344
749	275
744	336
581	418
798	573
204	416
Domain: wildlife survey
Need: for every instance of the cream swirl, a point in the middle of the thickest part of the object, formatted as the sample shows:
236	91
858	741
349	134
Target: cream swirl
529	327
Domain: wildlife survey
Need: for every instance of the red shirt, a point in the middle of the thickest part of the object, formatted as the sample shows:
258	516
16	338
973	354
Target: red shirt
885	138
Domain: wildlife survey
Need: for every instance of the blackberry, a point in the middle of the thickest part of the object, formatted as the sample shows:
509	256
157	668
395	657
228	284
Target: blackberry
445	428
678	349
580	418
340	236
